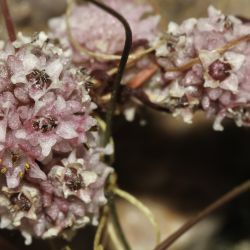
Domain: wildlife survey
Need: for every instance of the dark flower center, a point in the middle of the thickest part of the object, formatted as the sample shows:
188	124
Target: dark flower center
73	180
15	157
44	124
219	70
39	79
21	202
172	42
228	24
241	114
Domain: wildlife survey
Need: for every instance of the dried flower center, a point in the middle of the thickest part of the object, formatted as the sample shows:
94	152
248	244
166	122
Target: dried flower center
241	114
73	180
21	202
39	79
228	24
15	157
44	124
172	41
219	70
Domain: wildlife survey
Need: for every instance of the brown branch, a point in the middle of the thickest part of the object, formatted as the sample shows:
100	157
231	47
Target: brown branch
8	20
245	187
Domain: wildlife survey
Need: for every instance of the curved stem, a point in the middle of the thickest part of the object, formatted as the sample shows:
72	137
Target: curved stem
121	68
111	107
8	20
245	187
117	224
101	227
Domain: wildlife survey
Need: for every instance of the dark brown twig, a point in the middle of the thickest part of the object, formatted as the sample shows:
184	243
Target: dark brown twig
245	187
121	68
8	20
113	101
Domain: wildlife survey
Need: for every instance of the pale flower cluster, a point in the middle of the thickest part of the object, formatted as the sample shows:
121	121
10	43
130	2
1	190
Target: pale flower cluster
52	176
217	80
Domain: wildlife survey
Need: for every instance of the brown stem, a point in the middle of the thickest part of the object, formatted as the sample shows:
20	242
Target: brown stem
8	20
114	96
209	210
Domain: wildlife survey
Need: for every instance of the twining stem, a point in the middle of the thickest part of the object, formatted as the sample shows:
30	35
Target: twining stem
245	187
112	104
116	223
100	229
98	55
121	68
8	20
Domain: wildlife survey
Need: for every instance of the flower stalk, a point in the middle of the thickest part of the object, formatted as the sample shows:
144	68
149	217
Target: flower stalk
121	68
8	20
112	104
225	199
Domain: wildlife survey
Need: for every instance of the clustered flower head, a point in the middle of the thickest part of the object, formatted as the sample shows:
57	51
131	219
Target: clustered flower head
52	177
206	66
98	31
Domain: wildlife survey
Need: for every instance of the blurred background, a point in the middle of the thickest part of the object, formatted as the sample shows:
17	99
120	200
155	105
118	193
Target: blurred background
174	168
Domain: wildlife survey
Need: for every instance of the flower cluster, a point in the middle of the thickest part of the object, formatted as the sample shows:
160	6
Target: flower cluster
98	31
206	66
52	174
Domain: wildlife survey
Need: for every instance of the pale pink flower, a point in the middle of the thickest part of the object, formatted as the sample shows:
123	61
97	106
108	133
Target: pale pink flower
15	164
70	197
77	176
100	32
46	119
218	82
54	121
44	101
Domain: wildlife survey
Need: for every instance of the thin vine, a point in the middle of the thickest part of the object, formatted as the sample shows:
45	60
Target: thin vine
225	199
112	104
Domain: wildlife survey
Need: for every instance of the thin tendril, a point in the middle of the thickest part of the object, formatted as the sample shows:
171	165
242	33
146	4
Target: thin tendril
111	107
8	20
143	208
116	222
113	237
245	187
100	229
121	68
